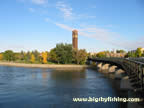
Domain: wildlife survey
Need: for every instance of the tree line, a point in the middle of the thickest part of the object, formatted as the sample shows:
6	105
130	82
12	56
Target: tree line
61	54
139	52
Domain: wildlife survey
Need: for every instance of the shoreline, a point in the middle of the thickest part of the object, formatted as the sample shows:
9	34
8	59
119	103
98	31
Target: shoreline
49	66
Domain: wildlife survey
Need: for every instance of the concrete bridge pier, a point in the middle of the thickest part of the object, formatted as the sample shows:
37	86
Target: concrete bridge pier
105	67
119	74
99	66
112	69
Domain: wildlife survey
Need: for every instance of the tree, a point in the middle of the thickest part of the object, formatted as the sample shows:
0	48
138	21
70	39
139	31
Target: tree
64	53
22	54
120	51
138	52
143	55
44	57
53	56
80	56
17	56
32	60
130	54
101	54
1	56
9	55
37	55
27	56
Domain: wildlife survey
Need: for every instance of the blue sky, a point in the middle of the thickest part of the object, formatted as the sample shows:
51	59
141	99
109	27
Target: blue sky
41	24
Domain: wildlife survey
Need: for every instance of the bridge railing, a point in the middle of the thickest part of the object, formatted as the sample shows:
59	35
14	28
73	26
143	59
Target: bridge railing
132	67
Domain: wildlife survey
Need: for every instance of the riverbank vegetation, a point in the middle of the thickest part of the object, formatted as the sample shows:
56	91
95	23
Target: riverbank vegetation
61	54
139	52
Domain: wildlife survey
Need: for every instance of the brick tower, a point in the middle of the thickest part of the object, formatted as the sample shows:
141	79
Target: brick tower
75	39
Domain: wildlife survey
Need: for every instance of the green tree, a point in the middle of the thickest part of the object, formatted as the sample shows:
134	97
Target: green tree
17	56
22	55
53	56
138	52
101	54
80	56
37	55
9	55
64	53
120	51
130	54
143	55
27	56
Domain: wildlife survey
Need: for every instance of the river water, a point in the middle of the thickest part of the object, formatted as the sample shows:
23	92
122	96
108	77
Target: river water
46	88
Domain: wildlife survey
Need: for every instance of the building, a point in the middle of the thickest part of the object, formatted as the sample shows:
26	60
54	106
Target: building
75	39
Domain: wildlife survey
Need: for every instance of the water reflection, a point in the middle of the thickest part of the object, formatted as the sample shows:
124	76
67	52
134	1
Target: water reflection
67	74
43	88
44	74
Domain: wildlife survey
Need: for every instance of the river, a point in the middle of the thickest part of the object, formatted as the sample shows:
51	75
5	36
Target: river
47	88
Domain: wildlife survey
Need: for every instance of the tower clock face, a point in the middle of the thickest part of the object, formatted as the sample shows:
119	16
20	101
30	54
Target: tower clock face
75	36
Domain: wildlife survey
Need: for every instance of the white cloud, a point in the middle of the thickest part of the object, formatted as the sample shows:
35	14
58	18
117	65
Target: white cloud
65	9
47	19
130	45
68	13
39	1
98	33
31	9
64	26
106	36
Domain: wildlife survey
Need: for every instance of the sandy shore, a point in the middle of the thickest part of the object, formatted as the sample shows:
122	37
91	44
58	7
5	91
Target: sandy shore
51	66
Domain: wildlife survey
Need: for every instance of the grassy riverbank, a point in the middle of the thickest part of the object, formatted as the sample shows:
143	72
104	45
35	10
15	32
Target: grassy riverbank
51	66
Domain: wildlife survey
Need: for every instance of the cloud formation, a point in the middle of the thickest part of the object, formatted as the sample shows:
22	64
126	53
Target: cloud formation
68	12
106	36
101	34
92	32
31	9
64	26
39	1
65	9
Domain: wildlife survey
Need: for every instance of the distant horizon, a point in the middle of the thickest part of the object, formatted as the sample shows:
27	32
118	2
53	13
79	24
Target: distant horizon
41	24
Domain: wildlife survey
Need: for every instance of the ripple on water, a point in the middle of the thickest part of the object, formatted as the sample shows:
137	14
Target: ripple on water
39	88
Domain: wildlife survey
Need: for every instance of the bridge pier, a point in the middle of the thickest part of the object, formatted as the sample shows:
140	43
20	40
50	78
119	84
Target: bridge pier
129	73
112	69
119	74
105	67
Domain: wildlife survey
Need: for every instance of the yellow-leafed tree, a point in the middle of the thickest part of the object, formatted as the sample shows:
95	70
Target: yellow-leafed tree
44	57
32	58
1	56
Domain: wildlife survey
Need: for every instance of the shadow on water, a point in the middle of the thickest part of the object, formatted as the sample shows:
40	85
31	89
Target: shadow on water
115	83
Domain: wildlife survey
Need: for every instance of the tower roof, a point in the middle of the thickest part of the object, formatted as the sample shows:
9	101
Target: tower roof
75	30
